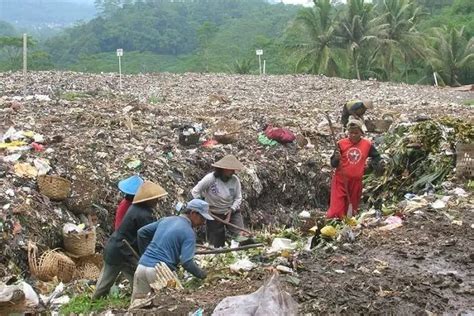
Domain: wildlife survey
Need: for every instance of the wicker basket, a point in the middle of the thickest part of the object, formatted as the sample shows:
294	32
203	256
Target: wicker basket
82	196
80	244
88	267
465	161
378	126
54	187
227	138
52	263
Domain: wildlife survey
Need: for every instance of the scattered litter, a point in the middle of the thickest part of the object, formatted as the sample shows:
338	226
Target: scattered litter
284	269
269	299
304	215
391	222
242	265
280	244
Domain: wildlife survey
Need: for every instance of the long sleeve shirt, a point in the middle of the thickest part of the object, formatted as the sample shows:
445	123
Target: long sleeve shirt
115	252
170	240
220	195
122	209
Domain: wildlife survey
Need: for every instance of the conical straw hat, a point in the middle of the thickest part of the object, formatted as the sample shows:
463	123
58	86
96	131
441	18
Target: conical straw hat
367	104
229	162
149	191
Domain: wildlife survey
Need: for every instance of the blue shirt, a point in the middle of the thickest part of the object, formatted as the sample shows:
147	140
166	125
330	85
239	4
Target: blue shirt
172	241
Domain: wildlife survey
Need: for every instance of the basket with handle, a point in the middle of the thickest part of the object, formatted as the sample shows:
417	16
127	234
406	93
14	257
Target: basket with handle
80	244
378	126
52	263
227	131
54	187
465	161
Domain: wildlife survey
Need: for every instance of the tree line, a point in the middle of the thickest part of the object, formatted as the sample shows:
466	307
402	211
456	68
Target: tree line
392	40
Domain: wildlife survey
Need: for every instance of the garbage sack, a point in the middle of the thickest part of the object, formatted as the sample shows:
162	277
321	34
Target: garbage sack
269	299
281	135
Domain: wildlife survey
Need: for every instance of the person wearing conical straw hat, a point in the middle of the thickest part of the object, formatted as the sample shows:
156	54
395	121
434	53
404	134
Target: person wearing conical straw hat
356	109
118	257
222	190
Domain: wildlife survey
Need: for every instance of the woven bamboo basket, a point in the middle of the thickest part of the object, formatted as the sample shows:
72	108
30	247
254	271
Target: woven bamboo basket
52	263
227	131
465	161
54	187
83	195
88	267
378	126
80	244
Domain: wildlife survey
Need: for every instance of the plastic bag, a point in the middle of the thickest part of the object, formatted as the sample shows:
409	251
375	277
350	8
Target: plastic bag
270	299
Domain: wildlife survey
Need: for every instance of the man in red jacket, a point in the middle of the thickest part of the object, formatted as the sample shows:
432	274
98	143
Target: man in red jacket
349	160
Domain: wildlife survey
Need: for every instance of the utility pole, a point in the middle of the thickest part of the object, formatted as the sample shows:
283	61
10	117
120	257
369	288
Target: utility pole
119	55
25	62
259	53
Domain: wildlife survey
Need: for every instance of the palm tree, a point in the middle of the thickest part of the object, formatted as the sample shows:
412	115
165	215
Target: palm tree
451	52
357	30
316	41
403	41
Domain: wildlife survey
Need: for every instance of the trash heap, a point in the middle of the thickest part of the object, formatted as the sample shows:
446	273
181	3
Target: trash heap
170	128
419	156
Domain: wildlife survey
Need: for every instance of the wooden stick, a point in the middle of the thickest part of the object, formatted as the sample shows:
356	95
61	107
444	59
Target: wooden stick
135	254
222	250
231	225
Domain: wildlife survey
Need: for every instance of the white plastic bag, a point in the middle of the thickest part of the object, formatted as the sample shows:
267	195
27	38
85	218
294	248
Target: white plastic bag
269	300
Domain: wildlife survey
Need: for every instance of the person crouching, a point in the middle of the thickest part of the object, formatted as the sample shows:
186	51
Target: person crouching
170	240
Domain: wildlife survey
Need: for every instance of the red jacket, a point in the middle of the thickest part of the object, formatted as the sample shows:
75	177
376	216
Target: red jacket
122	209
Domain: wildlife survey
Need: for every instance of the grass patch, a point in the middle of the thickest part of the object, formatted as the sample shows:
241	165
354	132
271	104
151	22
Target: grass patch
83	304
469	102
71	96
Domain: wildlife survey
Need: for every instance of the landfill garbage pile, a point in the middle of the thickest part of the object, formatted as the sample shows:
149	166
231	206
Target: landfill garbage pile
170	128
419	157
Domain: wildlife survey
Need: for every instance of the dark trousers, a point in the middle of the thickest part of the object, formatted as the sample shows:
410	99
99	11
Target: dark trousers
109	274
216	231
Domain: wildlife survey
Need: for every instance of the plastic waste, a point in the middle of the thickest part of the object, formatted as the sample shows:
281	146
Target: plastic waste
24	169
198	312
242	265
264	140
280	244
391	222
269	300
32	299
438	204
328	231
304	214
42	166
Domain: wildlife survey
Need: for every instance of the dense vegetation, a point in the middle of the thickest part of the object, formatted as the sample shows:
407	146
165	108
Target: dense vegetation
396	40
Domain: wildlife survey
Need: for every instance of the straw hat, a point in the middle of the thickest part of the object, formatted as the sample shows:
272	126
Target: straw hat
367	104
149	191
229	162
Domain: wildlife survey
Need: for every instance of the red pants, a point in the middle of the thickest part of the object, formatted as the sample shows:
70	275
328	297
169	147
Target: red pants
339	204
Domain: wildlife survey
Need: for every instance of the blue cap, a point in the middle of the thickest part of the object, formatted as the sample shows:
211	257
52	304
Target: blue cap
200	206
130	185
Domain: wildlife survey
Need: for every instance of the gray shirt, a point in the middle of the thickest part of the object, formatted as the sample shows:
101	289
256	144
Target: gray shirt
220	195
